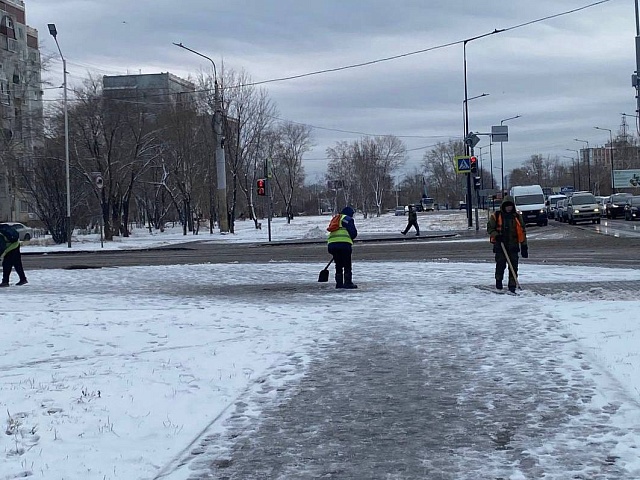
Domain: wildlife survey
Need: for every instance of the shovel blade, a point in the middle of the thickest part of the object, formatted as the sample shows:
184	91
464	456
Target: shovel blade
324	276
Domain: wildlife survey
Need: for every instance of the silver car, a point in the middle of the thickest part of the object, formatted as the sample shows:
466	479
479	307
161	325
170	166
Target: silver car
26	233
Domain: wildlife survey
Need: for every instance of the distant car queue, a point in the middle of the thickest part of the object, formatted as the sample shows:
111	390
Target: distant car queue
588	207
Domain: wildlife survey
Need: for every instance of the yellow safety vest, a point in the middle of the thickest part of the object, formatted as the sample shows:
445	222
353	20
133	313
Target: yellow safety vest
340	235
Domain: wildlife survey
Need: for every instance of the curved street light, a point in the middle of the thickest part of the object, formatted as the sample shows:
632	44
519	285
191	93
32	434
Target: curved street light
54	33
573	166
577	152
588	161
220	160
611	148
502	154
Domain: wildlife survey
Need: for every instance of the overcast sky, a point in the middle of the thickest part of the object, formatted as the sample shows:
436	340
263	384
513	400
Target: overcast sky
563	75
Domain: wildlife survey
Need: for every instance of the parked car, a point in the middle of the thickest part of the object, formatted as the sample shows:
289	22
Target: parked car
582	207
632	208
26	233
615	205
399	211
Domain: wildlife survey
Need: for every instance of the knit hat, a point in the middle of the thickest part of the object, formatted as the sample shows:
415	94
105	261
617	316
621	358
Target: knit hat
348	211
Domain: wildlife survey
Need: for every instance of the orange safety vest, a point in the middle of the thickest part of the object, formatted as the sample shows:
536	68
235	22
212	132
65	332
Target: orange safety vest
519	229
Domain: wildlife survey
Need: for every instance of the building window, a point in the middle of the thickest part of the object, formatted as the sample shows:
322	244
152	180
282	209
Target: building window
4	92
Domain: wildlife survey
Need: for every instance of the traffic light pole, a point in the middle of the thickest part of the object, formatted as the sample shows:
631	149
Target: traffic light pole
469	192
469	200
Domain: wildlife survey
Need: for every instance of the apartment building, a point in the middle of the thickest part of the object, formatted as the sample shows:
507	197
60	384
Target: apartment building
20	109
154	89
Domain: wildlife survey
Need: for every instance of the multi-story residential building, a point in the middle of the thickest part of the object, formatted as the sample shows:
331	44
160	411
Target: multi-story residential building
152	89
20	109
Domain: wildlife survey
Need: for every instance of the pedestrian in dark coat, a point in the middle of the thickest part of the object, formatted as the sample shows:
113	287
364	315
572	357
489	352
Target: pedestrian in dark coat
413	221
339	245
11	257
506	227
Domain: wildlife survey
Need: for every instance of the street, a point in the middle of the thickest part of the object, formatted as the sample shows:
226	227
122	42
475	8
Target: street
612	243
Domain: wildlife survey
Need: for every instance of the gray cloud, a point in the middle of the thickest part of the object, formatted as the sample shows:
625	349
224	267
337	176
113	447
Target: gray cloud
564	75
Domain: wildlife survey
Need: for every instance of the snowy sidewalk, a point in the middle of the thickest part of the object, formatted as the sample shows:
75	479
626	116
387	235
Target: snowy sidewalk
437	396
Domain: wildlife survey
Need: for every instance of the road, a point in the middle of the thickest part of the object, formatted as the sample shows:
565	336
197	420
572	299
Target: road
612	243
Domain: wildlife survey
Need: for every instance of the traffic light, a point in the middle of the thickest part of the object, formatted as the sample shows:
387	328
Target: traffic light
262	187
473	164
476	183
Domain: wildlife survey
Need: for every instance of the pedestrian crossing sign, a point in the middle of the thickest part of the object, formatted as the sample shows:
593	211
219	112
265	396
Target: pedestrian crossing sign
462	164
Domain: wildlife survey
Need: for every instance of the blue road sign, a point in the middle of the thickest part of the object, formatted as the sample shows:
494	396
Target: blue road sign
462	164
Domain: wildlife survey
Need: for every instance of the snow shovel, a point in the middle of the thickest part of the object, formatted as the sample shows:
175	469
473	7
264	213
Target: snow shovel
513	272
324	274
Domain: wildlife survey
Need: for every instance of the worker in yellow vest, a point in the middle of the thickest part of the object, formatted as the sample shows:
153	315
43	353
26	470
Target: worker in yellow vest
339	245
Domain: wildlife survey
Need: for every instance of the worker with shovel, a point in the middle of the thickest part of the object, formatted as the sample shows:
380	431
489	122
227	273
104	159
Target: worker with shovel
508	235
339	245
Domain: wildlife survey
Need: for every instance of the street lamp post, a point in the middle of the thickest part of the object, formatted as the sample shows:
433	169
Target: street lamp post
502	155
573	167
220	160
54	33
465	110
588	161
466	113
611	145
577	152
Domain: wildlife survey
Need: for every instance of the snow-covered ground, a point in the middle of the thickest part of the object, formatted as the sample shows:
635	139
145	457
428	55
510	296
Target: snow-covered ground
304	227
115	373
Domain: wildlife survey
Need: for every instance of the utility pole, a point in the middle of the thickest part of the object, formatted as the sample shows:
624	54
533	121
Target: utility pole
221	171
54	33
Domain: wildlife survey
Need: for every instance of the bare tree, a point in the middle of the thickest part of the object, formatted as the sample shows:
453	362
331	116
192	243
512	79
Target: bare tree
365	169
292	141
441	177
248	115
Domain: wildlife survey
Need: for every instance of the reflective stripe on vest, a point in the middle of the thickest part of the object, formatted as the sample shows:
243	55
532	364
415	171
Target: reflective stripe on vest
519	230
340	235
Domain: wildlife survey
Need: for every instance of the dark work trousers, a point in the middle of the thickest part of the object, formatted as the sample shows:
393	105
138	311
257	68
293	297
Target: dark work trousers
501	264
341	252
12	259
411	223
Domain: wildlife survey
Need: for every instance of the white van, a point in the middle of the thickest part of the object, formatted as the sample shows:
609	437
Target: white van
530	203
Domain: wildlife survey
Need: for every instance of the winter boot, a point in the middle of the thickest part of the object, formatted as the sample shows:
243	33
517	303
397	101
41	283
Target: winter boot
339	280
4	284
22	282
499	284
348	283
512	290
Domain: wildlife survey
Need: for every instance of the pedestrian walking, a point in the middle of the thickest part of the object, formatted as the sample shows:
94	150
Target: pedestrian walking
508	235
10	254
413	221
339	245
